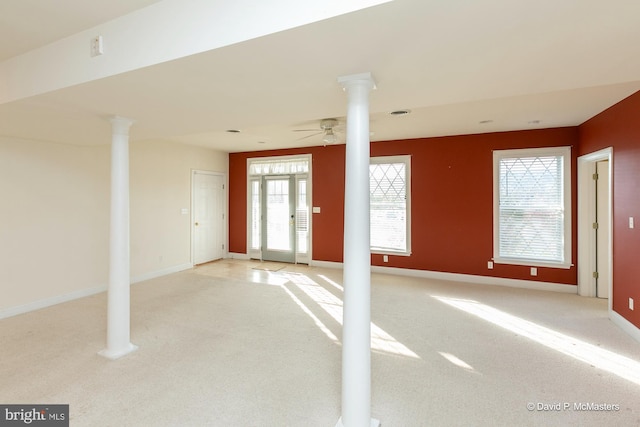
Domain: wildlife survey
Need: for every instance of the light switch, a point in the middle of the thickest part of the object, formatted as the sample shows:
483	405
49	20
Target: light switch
184	211
534	271
630	222
316	209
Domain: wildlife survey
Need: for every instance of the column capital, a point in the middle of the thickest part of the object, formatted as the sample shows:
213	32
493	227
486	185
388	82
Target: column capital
120	125
357	80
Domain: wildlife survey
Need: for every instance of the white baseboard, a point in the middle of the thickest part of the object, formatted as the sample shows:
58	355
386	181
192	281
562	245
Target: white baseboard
465	278
160	273
625	325
236	255
480	280
48	302
326	264
374	423
59	299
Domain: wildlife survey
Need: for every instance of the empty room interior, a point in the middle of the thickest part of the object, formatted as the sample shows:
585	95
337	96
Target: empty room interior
357	213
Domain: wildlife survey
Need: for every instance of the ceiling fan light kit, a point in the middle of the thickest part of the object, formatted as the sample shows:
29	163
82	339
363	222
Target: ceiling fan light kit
326	129
329	137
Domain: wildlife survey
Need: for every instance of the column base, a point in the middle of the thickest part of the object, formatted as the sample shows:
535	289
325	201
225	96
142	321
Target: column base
113	355
374	423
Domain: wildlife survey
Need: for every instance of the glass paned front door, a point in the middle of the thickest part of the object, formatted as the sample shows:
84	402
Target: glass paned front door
278	218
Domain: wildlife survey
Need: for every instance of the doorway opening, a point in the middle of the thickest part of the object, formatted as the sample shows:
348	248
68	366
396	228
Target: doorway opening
595	231
278	208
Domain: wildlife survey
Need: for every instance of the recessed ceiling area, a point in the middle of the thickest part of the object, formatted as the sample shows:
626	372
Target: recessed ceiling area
460	67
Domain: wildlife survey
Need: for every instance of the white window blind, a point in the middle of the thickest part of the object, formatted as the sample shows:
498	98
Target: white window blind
302	217
389	190
533	206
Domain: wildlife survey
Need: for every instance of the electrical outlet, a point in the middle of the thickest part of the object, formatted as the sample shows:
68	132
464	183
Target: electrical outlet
631	222
490	265
631	304
385	258
534	271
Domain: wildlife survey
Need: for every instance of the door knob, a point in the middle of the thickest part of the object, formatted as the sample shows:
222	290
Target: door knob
197	224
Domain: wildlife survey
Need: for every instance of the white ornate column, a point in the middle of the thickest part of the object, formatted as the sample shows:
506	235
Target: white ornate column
356	325
118	305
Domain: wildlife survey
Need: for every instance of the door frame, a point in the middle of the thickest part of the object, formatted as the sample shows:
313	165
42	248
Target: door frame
225	210
586	215
257	254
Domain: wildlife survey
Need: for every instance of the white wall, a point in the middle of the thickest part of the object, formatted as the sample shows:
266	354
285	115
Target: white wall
160	188
54	216
54	220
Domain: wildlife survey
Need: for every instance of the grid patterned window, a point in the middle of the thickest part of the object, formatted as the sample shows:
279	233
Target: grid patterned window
532	207
390	212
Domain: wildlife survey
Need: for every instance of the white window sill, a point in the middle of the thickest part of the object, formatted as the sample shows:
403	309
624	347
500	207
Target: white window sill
381	252
532	263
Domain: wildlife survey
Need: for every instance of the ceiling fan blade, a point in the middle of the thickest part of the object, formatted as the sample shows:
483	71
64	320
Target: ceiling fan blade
309	136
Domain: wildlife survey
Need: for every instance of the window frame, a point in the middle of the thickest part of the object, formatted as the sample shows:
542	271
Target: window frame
256	253
406	159
498	156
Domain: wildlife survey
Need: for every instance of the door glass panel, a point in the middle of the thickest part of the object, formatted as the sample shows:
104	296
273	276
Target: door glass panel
302	218
278	217
255	214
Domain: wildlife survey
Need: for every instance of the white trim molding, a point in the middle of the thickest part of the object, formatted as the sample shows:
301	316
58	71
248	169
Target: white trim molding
479	280
625	325
82	293
159	273
586	215
465	278
48	302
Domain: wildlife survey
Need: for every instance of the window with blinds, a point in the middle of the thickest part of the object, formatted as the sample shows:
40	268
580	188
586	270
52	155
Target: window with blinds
390	213
532	206
302	216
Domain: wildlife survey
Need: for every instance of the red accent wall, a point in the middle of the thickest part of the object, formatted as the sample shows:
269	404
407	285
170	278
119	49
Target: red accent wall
452	201
619	127
328	193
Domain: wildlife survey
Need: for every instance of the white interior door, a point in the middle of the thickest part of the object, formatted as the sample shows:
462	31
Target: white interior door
602	231
208	217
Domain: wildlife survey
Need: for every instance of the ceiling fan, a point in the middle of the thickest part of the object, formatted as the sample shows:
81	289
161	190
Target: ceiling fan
327	129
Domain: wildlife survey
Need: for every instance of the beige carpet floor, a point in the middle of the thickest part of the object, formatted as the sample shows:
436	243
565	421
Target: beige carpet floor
235	343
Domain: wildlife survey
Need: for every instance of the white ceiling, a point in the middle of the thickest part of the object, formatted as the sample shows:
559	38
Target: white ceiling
454	64
29	24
